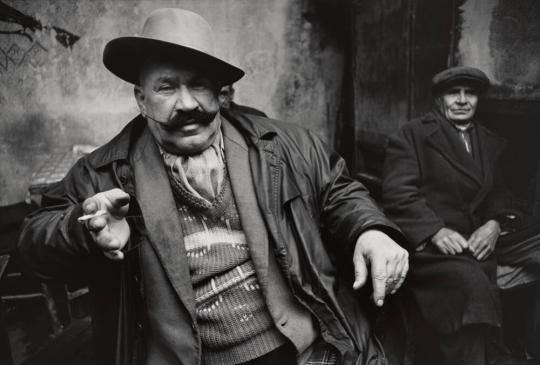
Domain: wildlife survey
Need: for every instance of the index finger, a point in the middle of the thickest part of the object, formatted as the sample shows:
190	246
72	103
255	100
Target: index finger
378	277
461	241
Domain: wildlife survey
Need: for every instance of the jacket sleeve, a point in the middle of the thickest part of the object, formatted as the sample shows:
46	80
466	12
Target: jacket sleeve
402	197
52	243
347	210
499	204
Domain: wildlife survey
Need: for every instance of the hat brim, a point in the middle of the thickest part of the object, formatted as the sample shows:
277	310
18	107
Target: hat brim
480	85
124	57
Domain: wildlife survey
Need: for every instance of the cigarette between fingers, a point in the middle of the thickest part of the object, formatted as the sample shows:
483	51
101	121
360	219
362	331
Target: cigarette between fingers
86	217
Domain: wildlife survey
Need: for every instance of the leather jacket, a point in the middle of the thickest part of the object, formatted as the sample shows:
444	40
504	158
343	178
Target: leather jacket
313	210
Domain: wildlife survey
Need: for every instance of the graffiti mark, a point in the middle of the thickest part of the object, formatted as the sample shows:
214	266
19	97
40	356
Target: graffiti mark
28	23
16	56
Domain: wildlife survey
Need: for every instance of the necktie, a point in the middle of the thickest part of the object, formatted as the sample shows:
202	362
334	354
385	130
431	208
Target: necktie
465	136
466	140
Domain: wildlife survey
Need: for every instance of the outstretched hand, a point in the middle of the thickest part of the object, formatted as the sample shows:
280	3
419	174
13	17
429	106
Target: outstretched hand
109	230
388	263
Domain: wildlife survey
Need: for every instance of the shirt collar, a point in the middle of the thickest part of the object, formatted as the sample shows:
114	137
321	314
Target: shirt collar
462	127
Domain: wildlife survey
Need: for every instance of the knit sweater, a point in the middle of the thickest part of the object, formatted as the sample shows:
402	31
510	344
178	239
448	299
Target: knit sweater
234	322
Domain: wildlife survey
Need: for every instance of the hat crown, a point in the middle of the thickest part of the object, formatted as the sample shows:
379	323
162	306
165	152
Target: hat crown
180	35
459	75
181	27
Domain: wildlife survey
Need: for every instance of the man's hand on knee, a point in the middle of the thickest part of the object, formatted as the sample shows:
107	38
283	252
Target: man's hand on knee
449	242
482	241
387	261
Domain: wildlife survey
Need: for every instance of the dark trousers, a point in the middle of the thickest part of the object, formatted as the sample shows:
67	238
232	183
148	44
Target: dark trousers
284	355
466	346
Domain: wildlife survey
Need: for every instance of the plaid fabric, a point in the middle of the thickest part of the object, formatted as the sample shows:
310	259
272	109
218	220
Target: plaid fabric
323	355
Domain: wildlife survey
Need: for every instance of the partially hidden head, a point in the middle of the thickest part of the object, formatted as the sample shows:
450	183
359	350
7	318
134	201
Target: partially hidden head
226	96
177	77
456	91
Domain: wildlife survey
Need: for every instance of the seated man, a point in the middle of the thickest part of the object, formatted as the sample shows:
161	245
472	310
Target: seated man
200	232
442	185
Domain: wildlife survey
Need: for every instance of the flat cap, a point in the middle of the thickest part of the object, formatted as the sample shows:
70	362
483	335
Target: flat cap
461	75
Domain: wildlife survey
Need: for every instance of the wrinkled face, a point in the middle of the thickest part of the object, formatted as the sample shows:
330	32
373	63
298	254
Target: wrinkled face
459	104
226	95
180	106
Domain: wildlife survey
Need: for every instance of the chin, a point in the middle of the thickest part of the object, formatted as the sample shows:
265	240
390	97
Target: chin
463	118
190	146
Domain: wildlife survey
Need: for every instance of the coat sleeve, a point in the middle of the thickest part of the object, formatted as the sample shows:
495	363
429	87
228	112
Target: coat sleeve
347	210
500	204
52	243
402	196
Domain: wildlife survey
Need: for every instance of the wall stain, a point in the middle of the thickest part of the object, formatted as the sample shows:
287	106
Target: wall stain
27	22
25	26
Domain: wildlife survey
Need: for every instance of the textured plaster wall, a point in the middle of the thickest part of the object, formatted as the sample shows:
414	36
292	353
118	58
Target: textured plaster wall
52	96
502	37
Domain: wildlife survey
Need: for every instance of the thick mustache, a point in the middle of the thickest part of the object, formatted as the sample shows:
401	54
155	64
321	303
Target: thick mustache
195	116
185	118
182	118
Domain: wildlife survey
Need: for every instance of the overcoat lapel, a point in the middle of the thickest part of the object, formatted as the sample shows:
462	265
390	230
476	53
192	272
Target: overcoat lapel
443	140
160	215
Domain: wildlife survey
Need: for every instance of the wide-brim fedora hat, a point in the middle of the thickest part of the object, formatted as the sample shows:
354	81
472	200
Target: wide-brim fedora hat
176	35
459	76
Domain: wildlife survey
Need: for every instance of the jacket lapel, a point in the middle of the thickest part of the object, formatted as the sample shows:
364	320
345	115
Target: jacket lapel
236	155
266	170
442	139
156	201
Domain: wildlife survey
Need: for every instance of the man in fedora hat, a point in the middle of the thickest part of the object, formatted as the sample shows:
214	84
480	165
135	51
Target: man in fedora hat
200	232
442	185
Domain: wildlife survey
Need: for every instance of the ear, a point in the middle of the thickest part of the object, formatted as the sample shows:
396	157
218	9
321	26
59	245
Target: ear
139	97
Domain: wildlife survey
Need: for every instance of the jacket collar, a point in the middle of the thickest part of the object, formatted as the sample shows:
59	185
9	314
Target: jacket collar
119	147
489	147
443	138
250	126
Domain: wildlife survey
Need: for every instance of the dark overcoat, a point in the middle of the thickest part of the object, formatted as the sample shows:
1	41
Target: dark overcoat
430	181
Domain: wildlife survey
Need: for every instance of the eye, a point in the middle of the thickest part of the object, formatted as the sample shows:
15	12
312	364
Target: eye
165	88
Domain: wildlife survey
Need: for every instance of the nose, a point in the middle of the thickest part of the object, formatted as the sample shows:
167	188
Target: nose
185	100
461	97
